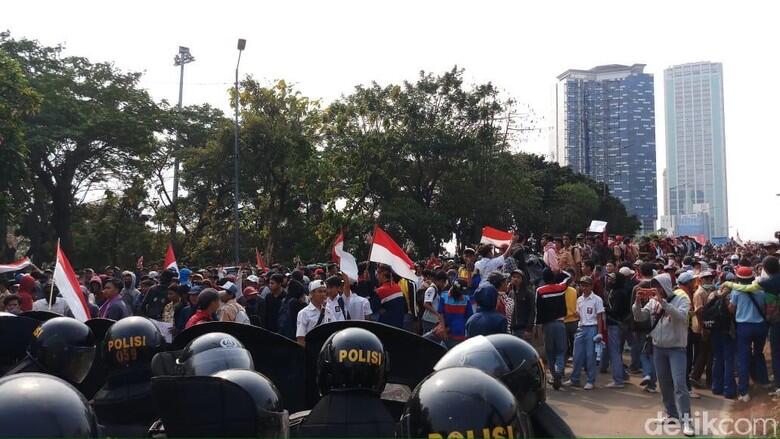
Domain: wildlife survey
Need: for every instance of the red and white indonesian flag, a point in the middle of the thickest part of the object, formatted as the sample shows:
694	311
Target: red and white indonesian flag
385	251
346	261
170	259
21	264
498	238
66	281
259	260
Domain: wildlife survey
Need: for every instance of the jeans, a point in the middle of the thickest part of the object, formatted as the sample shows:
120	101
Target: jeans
647	368
615	344
750	354
702	360
571	331
690	354
555	346
670	367
774	343
584	354
635	342
723	382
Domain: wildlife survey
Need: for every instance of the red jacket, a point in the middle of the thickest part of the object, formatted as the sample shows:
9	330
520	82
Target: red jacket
201	316
26	292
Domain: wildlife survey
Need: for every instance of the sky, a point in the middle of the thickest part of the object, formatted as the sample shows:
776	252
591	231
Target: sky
326	48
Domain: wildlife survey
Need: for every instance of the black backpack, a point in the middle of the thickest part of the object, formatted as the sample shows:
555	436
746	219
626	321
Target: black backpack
715	315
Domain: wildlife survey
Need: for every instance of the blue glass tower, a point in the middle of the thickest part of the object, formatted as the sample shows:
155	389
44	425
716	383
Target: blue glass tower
605	128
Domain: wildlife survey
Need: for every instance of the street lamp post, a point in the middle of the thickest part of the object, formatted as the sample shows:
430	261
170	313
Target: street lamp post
183	57
236	232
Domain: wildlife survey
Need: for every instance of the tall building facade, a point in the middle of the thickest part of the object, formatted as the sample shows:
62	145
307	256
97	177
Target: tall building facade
696	144
605	128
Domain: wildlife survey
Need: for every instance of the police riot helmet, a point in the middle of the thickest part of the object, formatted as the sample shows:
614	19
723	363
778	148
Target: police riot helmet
42	405
462	402
64	347
352	359
510	359
213	352
272	418
130	344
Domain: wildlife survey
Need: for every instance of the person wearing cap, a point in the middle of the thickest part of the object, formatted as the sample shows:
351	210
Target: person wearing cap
190	307
208	304
315	313
590	320
703	349
749	311
465	271
486	320
254	305
686	282
333	289
230	310
393	306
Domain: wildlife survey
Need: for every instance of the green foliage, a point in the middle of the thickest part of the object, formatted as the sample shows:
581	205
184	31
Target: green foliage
424	159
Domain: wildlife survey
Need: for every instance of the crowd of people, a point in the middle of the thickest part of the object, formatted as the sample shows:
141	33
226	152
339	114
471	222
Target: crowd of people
689	316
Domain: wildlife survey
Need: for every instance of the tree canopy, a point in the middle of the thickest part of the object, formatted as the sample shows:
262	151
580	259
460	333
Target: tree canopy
428	160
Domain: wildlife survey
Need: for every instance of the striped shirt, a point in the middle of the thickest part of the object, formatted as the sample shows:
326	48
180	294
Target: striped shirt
455	313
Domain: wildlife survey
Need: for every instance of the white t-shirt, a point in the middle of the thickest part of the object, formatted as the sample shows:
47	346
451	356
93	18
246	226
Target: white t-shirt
60	307
589	308
335	308
432	297
308	317
486	265
357	307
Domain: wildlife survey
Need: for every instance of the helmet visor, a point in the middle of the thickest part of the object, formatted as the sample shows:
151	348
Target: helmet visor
215	360
476	352
273	424
76	364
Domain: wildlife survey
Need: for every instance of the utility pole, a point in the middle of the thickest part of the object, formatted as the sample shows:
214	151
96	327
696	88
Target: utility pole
182	58
236	232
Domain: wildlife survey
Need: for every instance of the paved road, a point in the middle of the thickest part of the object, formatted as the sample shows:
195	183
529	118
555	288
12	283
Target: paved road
623	412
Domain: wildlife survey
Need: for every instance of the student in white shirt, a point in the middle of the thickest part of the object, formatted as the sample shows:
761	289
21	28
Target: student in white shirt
590	310
316	312
334	301
431	317
355	307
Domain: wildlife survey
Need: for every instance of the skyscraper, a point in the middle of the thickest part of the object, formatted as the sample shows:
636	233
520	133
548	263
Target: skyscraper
605	128
696	144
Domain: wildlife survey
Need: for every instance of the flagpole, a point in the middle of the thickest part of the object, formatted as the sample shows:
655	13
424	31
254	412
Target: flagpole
51	292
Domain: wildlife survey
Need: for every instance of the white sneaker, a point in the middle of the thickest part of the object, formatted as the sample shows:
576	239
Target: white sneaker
587	386
650	390
568	383
645	380
694	395
744	398
613	385
688	429
776	393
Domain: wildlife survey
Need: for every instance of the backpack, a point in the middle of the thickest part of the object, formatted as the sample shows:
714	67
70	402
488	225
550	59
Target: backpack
285	322
242	317
715	315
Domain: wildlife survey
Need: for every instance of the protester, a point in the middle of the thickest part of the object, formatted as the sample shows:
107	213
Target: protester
642	328
668	311
273	302
357	308
26	292
550	313
113	306
703	349
617	315
207	305
486	320
393	304
129	293
12	304
315	313
454	310
430	317
590	321
550	254
54	303
154	300
524	313
230	310
335	302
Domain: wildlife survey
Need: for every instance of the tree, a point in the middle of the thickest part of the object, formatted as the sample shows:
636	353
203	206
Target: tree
17	101
94	124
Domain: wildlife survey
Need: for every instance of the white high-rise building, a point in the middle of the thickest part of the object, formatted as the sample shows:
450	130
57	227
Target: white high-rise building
696	146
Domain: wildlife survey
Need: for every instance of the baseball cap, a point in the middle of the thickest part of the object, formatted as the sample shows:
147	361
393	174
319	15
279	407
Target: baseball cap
627	272
496	277
253	278
334	281
745	273
315	284
705	273
468	250
586	280
250	291
684	278
196	289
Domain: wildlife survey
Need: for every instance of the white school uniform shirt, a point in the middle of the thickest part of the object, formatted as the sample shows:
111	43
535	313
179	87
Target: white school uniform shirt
589	309
309	316
335	308
357	307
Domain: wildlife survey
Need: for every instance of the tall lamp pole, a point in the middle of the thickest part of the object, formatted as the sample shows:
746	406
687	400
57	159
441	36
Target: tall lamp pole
236	232
183	57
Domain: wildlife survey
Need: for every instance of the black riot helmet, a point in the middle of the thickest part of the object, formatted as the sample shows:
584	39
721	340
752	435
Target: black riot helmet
130	344
64	347
352	359
462	402
42	405
213	352
272	418
506	357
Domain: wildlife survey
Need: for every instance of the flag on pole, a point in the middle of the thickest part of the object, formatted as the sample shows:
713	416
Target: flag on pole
259	260
498	238
346	261
170	259
66	281
385	251
21	264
